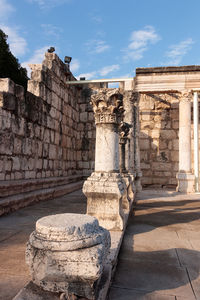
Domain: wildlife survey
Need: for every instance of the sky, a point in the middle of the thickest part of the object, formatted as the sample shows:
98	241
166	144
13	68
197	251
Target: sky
105	38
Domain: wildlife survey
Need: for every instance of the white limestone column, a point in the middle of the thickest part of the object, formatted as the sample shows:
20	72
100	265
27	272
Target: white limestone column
185	134
137	147
196	140
105	188
107	150
185	178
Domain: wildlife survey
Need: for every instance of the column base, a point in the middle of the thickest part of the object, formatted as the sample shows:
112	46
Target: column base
186	182
104	192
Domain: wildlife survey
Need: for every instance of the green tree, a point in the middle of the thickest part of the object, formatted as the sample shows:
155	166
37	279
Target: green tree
9	65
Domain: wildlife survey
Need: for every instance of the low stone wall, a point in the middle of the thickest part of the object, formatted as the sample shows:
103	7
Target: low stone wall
159	145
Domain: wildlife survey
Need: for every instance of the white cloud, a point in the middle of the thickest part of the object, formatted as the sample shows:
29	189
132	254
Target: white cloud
97	46
74	65
176	52
18	44
139	42
5	9
102	72
97	19
87	76
37	58
48	4
51	30
108	69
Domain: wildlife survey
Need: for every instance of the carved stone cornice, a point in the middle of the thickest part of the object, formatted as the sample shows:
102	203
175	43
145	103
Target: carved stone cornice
107	106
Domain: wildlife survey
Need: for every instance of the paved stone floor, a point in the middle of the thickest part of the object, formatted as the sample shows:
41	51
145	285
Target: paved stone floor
160	254
159	258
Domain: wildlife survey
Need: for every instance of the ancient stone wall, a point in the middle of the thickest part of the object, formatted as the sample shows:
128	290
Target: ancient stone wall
47	132
159	123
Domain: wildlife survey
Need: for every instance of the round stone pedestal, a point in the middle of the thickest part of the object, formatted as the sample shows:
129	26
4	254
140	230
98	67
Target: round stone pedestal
66	253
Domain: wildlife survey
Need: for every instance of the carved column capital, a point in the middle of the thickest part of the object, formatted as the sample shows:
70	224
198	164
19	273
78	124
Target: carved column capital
107	106
185	96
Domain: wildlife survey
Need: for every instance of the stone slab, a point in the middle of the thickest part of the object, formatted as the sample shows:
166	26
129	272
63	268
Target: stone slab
194	276
130	294
153	277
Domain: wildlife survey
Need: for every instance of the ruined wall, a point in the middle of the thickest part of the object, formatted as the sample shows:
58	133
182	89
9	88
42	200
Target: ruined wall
47	132
159	123
86	133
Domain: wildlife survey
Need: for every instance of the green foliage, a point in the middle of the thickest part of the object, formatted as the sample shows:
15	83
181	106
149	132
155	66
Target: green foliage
9	66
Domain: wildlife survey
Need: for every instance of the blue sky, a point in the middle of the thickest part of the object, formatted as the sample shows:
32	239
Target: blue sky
106	38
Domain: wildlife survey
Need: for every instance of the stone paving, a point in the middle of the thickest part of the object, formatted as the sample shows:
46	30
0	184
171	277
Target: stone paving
159	258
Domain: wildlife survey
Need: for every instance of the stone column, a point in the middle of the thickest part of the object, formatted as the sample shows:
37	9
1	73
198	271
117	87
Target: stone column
184	176
105	188
136	133
127	176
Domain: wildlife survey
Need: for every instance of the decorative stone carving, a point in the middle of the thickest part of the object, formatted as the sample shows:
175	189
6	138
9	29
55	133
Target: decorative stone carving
105	188
104	192
107	106
186	95
66	253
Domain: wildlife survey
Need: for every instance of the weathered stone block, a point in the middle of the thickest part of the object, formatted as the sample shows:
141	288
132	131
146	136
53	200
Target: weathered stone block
161	166
109	186
175	156
144	144
7	101
145	166
16	164
155	133
168	134
83	117
175	144
7	85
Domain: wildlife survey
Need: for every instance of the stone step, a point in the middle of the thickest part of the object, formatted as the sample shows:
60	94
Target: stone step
14	187
14	202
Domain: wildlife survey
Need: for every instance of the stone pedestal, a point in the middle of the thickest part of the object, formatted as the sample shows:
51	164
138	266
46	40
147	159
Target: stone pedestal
105	188
104	192
186	179
66	254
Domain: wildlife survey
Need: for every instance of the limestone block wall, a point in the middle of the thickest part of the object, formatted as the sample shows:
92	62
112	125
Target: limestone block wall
86	133
47	132
159	146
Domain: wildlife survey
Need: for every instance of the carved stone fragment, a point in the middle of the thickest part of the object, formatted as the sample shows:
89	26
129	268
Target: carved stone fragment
66	253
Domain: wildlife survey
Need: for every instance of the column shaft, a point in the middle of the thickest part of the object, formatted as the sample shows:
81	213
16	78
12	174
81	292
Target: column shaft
185	136
106	150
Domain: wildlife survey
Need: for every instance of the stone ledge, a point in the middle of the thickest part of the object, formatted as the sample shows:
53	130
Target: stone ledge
13	187
183	69
14	202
